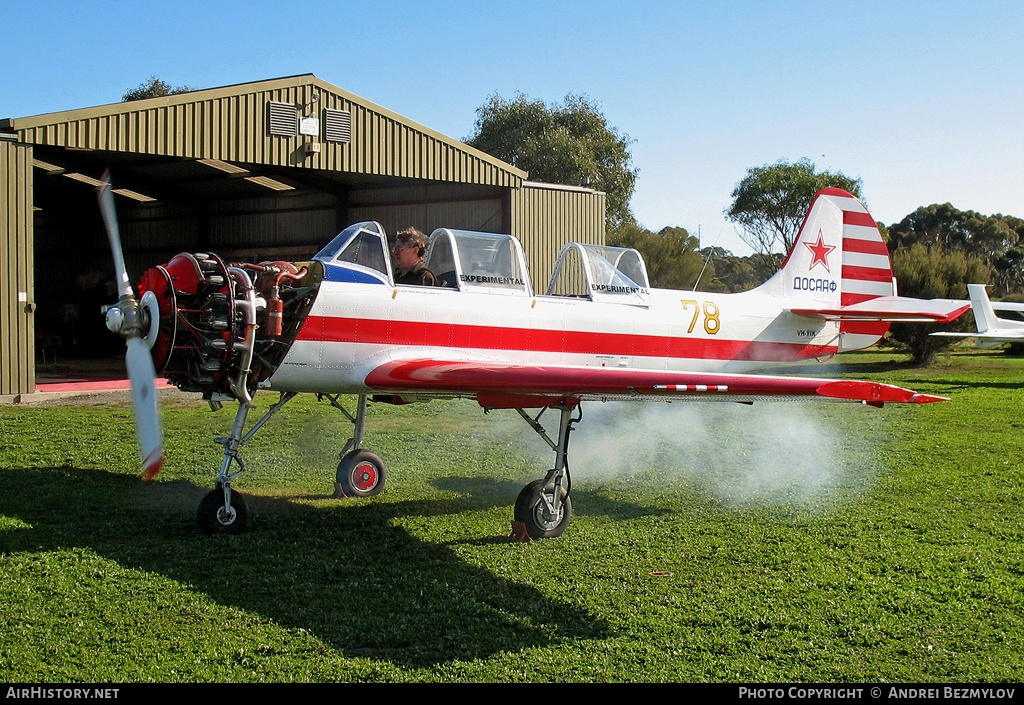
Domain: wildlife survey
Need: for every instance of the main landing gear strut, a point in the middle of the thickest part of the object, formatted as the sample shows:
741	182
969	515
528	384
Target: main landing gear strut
360	472
543	508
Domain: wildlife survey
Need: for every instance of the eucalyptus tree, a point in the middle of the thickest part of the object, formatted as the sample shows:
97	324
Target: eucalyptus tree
770	203
153	88
563	143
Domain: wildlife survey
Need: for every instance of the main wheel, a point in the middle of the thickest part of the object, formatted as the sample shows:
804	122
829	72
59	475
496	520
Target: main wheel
361	474
215	518
530	510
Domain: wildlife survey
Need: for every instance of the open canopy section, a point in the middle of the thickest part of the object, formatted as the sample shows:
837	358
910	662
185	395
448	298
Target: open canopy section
478	261
600	273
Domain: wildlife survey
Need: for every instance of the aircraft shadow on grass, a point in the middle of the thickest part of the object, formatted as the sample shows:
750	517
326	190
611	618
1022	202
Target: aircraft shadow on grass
952	386
344	574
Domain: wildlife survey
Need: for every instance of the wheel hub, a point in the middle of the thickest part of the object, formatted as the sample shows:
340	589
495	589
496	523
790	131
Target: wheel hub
545	518
364	476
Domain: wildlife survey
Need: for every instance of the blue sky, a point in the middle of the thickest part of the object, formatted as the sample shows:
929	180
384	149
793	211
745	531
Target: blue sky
924	101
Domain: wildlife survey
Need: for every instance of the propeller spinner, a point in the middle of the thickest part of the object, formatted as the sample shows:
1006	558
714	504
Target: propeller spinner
132	321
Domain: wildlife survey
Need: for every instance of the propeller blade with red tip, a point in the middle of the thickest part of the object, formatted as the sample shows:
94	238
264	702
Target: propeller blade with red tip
147	411
125	318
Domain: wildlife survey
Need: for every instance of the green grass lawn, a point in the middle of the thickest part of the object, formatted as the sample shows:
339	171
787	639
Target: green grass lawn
710	542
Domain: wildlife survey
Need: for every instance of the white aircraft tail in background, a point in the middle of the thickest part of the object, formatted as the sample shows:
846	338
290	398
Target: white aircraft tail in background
992	330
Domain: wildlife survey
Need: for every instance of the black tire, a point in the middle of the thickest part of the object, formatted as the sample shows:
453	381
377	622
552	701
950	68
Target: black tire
213	519
361	474
529	511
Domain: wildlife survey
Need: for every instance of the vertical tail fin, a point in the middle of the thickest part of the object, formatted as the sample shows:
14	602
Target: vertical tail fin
984	315
839	259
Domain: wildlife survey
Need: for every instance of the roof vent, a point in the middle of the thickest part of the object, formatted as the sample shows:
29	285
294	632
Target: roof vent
337	125
283	119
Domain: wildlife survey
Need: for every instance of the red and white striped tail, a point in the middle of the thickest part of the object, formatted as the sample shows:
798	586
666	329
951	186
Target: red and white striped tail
839	259
867	270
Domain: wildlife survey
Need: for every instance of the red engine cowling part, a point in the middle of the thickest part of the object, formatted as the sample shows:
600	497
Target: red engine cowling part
194	336
202	333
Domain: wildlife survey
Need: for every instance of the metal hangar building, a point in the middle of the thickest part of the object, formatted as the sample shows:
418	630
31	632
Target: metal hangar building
256	171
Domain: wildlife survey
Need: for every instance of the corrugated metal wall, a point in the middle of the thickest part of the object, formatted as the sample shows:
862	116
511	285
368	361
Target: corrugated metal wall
295	225
544	217
428	206
17	331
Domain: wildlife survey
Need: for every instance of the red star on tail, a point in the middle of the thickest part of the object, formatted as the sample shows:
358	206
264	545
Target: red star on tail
820	251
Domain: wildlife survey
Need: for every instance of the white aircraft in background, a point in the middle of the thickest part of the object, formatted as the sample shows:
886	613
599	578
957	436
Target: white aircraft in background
992	330
340	325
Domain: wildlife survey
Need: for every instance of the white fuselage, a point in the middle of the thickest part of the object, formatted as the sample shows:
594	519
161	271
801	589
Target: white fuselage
355	327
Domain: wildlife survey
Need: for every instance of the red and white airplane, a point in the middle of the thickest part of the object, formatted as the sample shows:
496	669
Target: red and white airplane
338	325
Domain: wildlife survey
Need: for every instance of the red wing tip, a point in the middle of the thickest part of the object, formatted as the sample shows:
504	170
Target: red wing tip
926	398
874	393
152	465
954	314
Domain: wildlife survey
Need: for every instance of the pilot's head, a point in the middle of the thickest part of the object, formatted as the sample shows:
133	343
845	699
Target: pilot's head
409	249
411	237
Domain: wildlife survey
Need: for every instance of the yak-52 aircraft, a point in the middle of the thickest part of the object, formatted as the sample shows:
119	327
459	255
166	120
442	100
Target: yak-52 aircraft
339	325
992	330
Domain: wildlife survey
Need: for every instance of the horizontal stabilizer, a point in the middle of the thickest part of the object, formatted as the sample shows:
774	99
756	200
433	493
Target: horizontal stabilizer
1007	306
989	339
892	309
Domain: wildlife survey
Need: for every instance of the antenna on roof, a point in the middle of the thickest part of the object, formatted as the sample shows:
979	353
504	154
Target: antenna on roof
707	260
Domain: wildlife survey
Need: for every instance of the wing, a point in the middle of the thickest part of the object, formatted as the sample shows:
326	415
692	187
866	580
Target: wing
504	385
893	309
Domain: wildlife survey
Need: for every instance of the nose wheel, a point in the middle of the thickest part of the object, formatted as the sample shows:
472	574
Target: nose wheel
223	511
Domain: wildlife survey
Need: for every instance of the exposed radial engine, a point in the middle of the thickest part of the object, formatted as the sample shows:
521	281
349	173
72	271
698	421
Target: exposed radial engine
221	329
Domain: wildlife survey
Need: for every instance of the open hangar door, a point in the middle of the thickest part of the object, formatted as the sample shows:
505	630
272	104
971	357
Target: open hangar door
168	205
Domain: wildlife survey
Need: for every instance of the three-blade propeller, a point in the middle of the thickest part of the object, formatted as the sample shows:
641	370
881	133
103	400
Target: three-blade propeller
126	319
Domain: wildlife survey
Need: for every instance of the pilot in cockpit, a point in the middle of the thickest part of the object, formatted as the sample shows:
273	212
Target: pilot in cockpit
408	253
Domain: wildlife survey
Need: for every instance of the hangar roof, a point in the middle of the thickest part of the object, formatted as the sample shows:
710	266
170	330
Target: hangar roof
278	134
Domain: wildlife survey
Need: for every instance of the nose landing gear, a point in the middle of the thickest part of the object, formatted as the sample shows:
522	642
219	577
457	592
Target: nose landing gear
223	511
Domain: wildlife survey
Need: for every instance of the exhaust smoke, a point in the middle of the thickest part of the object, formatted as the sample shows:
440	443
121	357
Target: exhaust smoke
777	454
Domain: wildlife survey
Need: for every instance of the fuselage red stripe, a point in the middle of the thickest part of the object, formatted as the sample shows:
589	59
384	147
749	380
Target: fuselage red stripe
452	335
